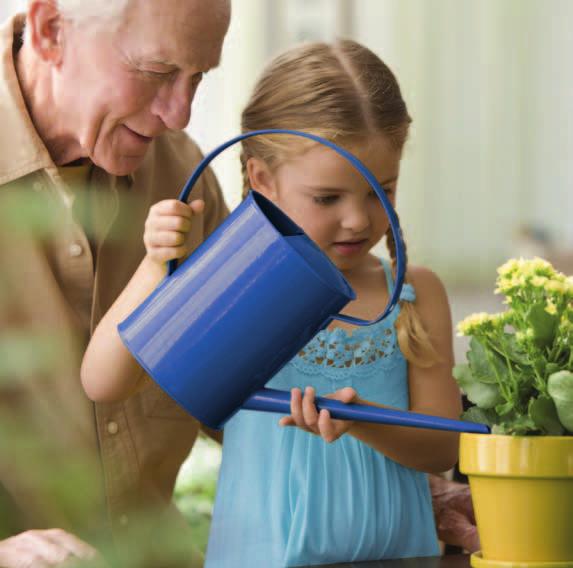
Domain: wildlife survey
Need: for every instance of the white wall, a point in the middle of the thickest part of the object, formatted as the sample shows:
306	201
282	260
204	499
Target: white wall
489	85
224	91
9	7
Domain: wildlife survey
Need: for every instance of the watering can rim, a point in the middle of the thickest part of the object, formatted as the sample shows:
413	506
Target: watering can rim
349	292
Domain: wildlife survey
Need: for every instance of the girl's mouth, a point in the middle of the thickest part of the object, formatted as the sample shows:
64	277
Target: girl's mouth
349	248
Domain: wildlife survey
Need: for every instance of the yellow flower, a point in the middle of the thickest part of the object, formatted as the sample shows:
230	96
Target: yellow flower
524	336
467	325
510	266
481	322
541	264
556	286
551	308
539	281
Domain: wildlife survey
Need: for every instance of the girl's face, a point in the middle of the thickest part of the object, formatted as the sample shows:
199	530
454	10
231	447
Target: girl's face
324	194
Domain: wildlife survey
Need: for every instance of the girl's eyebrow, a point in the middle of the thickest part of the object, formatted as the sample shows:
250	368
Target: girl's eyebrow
387	181
326	189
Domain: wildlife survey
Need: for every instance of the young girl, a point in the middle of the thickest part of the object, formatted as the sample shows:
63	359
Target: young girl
285	497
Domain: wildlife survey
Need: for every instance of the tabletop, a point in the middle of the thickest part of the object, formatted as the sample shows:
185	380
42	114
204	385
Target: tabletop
450	561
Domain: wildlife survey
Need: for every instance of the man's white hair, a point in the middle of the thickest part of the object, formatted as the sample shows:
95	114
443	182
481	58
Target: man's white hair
81	11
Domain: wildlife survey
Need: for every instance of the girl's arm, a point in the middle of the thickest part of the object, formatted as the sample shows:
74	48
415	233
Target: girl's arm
433	390
109	372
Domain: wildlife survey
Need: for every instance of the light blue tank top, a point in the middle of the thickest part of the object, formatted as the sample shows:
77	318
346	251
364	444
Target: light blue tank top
287	498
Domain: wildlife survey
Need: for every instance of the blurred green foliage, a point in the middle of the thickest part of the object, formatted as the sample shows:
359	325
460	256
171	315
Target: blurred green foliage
196	486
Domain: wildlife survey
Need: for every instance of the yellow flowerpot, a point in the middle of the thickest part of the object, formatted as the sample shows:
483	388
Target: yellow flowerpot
522	491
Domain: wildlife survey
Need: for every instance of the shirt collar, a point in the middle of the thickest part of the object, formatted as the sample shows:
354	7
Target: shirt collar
21	149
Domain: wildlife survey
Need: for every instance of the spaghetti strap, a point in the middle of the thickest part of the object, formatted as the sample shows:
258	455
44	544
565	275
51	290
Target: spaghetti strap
388	273
407	294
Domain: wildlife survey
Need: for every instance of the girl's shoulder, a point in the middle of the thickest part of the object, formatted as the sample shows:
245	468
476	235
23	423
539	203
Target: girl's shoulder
424	278
431	295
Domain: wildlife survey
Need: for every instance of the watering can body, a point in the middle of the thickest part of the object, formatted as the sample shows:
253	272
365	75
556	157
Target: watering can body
240	307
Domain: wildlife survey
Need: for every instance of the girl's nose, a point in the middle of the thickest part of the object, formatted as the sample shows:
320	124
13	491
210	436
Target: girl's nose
356	219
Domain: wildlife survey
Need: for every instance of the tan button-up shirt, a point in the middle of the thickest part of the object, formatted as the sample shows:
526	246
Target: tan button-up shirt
65	462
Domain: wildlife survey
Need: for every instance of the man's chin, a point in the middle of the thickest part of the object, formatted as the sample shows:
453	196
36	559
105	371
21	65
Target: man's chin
123	166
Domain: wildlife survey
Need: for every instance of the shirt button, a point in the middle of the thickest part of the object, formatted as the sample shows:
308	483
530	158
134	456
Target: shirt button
112	427
123	520
37	186
75	250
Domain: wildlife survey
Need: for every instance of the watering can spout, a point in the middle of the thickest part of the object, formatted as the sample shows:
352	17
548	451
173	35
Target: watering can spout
272	400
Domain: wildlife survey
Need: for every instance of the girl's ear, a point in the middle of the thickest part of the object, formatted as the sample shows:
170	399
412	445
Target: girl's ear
261	178
44	29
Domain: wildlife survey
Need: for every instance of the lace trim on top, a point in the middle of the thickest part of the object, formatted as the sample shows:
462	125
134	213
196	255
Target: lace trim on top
337	350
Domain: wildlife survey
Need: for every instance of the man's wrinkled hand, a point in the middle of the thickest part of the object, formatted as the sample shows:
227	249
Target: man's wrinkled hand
454	514
47	549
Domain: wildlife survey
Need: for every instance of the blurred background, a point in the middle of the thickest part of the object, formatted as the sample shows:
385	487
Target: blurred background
487	172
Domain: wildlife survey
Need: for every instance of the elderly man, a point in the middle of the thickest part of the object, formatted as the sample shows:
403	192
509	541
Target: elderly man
93	98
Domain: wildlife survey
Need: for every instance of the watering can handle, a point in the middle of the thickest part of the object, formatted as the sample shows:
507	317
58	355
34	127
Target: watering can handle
366	174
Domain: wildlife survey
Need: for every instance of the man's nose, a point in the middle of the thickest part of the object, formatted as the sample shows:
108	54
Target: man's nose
174	105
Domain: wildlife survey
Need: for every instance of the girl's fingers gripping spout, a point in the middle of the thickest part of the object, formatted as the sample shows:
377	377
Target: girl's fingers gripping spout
309	411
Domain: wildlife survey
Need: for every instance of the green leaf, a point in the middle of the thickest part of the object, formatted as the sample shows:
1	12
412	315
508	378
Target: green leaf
480	416
505	408
485	365
509	346
560	388
484	395
516	425
551	368
543	412
543	324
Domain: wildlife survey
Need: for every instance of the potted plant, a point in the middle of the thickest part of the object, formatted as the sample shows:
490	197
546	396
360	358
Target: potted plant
519	376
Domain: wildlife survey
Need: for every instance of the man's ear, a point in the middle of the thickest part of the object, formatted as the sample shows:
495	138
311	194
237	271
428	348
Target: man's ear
44	30
261	178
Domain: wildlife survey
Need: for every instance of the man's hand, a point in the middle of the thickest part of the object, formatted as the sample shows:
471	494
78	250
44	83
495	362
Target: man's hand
46	549
454	513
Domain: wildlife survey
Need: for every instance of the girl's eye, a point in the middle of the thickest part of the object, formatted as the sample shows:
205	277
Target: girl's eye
389	191
325	199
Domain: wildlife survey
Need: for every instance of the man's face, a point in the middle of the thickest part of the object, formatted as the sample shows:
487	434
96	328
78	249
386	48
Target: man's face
122	88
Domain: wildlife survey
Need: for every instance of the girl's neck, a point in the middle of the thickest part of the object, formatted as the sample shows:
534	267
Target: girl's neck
368	280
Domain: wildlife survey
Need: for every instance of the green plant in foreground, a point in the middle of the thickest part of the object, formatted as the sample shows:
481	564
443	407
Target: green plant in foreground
520	362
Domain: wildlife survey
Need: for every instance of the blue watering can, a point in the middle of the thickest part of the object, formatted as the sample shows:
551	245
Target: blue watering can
225	321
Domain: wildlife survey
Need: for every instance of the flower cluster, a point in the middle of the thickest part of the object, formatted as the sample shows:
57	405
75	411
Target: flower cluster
520	363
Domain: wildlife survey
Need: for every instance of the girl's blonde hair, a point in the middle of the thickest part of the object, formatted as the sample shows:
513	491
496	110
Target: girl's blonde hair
344	93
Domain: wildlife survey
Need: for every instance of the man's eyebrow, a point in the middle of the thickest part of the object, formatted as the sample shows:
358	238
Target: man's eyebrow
154	60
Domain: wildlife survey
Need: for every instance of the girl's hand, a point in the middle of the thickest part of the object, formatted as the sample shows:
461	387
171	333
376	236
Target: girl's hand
305	415
166	228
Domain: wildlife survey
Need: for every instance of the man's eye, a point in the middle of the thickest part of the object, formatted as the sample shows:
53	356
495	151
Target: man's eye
160	75
325	199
